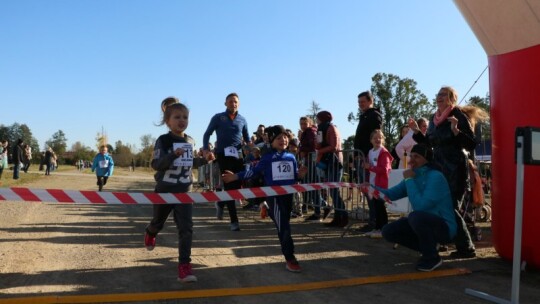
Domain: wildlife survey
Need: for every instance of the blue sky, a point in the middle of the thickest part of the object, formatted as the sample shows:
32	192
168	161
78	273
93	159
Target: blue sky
80	66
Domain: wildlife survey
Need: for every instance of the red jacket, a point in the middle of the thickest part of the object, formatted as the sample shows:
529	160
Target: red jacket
383	168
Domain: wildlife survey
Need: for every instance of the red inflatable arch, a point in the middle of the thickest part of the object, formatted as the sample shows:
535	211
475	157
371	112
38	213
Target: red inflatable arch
509	31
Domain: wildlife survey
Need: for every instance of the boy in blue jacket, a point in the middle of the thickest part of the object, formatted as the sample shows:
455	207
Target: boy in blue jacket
279	167
432	220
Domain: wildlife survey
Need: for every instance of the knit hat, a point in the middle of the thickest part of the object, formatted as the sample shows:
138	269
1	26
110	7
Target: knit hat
423	150
324	116
274	131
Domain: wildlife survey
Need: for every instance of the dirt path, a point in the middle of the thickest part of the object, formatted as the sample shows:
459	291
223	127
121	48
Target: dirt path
62	250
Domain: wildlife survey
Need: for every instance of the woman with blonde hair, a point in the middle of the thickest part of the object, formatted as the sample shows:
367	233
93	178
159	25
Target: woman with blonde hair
451	135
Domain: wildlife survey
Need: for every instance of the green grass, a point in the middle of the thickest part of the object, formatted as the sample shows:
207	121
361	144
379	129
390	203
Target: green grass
8	181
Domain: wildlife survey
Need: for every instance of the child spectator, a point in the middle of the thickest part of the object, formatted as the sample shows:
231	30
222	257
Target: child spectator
379	165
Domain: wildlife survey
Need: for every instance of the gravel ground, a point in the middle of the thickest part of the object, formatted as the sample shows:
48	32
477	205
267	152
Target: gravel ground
90	252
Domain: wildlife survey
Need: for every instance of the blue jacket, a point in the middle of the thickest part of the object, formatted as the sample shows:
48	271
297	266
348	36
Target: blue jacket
229	132
428	191
279	168
103	165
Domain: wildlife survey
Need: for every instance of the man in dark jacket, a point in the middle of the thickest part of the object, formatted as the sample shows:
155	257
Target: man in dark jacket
370	119
17	158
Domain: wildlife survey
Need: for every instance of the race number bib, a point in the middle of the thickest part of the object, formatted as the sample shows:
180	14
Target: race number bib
231	151
283	170
186	159
104	163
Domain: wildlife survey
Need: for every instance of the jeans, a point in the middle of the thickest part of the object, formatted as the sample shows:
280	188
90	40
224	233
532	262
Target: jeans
334	173
314	197
420	231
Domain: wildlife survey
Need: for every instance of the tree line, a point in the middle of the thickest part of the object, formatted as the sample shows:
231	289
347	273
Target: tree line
397	98
123	154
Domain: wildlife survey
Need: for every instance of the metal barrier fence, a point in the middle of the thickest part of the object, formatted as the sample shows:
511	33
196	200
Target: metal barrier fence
209	177
351	170
350	200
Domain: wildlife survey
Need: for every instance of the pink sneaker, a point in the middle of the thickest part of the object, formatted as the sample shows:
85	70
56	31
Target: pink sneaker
149	240
293	266
185	274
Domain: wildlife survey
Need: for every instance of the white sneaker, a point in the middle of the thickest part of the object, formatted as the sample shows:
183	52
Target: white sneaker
375	234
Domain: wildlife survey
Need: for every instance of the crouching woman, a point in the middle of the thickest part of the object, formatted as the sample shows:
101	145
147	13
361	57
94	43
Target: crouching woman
432	220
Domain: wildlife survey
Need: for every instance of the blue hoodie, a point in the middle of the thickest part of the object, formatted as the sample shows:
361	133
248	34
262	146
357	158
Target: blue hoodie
279	169
428	191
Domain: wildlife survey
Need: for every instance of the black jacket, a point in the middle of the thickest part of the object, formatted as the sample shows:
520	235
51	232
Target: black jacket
369	121
450	151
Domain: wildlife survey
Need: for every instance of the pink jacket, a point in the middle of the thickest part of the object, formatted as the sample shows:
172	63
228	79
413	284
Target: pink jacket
382	169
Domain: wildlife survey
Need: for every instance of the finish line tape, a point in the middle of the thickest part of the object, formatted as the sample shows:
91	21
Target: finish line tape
144	198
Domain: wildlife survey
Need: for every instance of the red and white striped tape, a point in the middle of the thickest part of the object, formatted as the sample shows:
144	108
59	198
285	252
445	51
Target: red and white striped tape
94	197
372	192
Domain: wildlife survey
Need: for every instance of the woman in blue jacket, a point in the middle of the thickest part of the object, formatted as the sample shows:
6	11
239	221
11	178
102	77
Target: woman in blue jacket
432	220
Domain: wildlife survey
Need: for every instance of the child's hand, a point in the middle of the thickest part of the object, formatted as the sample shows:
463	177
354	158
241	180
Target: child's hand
179	151
367	165
209	155
228	176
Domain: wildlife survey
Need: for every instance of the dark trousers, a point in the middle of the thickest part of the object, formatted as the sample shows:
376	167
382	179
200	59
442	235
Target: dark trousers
378	216
183	217
420	231
102	180
334	173
463	240
16	170
234	165
313	197
280	208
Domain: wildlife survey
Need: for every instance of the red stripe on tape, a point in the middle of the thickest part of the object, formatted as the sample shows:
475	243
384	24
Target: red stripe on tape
155	198
210	196
60	196
279	190
299	188
258	192
124	198
93	197
235	194
316	186
26	194
184	198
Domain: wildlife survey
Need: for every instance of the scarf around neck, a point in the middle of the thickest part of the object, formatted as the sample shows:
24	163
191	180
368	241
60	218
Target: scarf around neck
441	117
